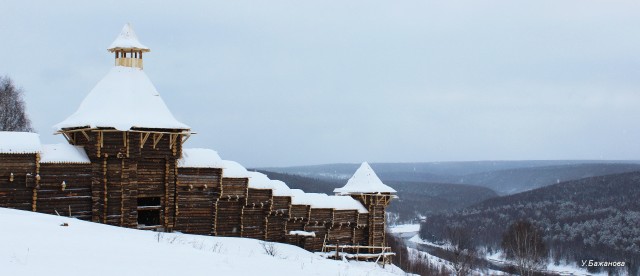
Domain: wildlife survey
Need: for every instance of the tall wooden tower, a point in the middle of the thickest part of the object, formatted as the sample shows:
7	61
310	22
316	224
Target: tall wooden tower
366	187
133	142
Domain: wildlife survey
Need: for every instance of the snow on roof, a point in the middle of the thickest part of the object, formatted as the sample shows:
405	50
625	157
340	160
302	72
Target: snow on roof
298	197
323	201
200	158
123	99
127	39
302	233
233	169
364	181
259	181
19	142
63	153
347	203
280	188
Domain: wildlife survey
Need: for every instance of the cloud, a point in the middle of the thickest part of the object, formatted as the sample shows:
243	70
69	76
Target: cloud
289	82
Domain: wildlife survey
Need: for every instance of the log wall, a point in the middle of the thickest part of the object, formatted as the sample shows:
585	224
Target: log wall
229	207
298	218
130	166
277	218
319	222
228	221
197	193
343	224
254	213
74	200
17	192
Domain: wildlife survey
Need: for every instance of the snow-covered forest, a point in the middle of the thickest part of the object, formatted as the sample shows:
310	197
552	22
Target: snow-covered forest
595	218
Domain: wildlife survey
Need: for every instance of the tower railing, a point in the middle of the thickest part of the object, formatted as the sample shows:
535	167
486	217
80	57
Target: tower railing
129	62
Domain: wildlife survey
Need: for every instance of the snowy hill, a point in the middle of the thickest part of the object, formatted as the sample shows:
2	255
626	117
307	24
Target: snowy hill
588	219
39	244
504	177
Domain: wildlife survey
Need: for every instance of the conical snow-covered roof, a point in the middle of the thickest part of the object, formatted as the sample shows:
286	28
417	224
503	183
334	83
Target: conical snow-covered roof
364	181
123	99
127	39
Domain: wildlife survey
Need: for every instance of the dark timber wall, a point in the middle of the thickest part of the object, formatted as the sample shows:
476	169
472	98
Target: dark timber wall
133	175
133	180
74	200
277	218
254	213
229	206
197	193
18	191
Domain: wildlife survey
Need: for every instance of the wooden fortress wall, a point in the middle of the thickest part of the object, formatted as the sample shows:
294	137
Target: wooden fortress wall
51	188
122	174
18	180
197	193
131	172
277	218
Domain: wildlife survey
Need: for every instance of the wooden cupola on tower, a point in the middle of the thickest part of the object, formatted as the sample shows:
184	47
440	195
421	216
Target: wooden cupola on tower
127	49
133	142
366	187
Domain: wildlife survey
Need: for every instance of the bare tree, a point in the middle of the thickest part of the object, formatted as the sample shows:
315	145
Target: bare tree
523	243
464	256
12	108
270	248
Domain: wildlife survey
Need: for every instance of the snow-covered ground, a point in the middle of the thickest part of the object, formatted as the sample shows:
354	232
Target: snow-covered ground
39	244
496	258
448	266
405	230
416	239
562	268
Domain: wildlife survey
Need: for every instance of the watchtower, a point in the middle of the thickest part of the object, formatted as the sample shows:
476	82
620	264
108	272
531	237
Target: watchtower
133	142
366	187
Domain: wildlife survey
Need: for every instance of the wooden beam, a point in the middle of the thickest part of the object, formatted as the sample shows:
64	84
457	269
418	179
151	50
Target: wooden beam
123	175
143	138
187	136
69	138
34	197
74	130
106	197
166	191
156	139
98	147
172	140
85	135
163	132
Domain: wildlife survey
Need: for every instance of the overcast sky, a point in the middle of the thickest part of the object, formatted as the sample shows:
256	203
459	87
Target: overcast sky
275	83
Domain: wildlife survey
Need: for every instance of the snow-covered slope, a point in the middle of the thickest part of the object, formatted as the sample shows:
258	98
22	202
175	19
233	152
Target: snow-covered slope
39	244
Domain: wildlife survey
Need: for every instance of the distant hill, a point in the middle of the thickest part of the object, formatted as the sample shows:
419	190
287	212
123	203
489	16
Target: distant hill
415	198
504	177
307	184
594	218
437	169
423	198
522	179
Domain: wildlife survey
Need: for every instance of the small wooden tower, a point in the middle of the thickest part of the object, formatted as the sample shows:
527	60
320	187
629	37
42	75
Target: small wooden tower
127	49
366	187
133	142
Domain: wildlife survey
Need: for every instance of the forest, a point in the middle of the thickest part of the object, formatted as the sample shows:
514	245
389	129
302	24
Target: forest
596	218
